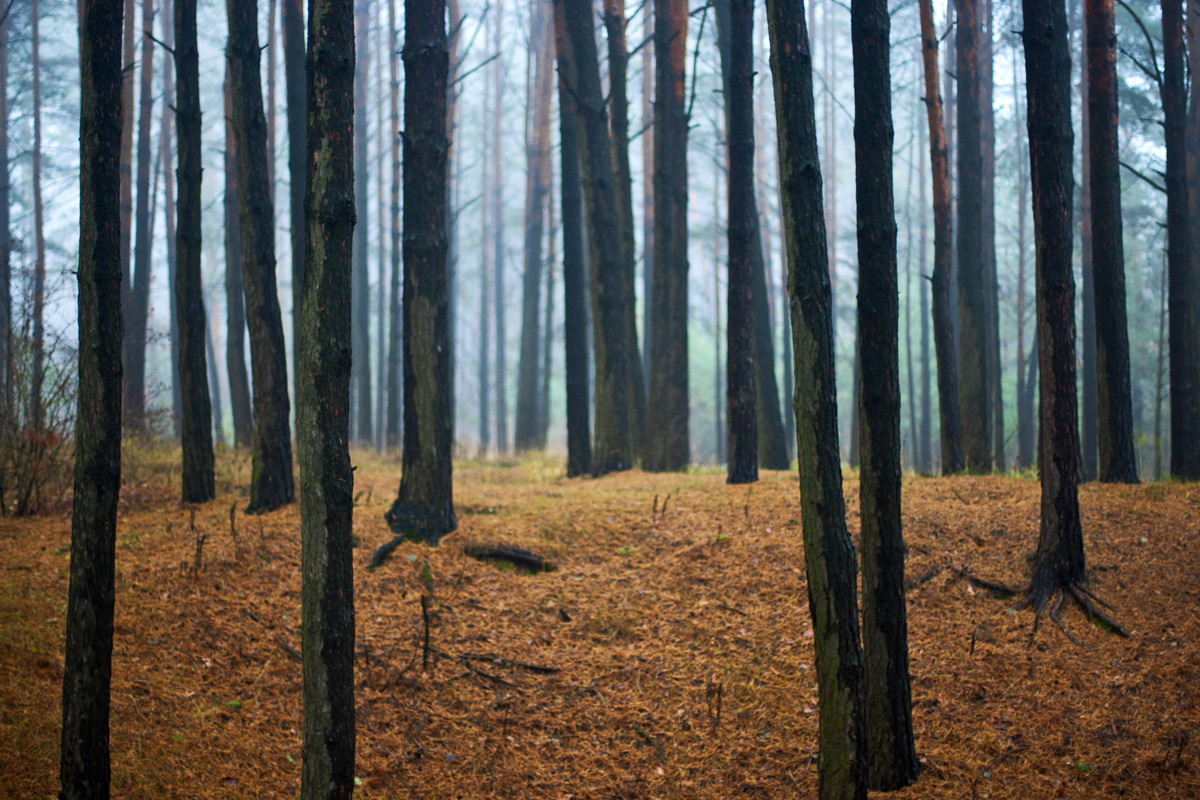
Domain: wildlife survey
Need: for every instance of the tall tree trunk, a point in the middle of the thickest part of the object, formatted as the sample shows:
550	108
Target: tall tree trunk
454	173
537	187
991	287
1192	164
84	771
772	442
498	247
323	411
612	448
742	226
360	391
543	432
828	551
272	33
618	65
271	481
575	355
37	412
382	151
1059	561
973	384
214	383
1182	293
1118	462
943	324
139	300
1158	382
395	321
667	444
197	482
235	309
721	450
1025	422
647	185
292	22
924	437
128	103
1090	416
892	759
424	508
485	254
166	157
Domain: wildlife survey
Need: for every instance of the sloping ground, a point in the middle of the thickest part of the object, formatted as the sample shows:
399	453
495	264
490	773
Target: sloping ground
677	622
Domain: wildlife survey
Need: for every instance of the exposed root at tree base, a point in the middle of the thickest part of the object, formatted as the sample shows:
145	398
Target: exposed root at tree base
1083	597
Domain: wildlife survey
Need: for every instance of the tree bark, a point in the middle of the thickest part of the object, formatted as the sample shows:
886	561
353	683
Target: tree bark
37	412
235	309
1059	560
647	185
618	65
772	441
292	22
612	449
991	293
828	551
1183	311
943	324
128	102
973	384
360	418
579	440
323	410
271	481
924	437
84	770
543	431
537	187
892	759
382	151
1118	463
424	509
498	247
166	155
1089	418
742	219
667	444
197	482
395	319
5	233
139	300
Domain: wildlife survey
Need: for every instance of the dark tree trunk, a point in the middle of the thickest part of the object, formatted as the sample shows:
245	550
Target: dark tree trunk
498	248
1118	462
991	288
84	770
828	551
323	410
1088	432
772	441
537	187
551	260
943	321
382	152
618	65
579	440
892	759
128	103
197	482
235	309
973	384
138	310
612	449
1059	560
925	436
37	412
292	22
743	216
1183	313
1192	164
456	20
166	155
360	416
271	481
424	509
395	319
647	185
667	444
214	385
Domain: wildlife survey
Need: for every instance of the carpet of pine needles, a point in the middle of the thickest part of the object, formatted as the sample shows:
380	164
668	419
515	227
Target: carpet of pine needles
668	655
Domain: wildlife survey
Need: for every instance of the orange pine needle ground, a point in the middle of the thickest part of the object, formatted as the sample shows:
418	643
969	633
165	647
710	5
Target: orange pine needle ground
681	638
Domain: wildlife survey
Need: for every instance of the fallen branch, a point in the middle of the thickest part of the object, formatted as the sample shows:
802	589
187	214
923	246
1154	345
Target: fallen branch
517	556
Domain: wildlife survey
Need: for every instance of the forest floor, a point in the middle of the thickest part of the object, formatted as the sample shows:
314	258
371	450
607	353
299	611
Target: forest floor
676	625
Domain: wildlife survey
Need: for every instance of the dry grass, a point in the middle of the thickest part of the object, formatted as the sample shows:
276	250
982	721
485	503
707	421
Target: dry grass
681	638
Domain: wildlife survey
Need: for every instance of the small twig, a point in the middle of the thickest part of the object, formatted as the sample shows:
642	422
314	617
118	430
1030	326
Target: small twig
287	648
425	643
